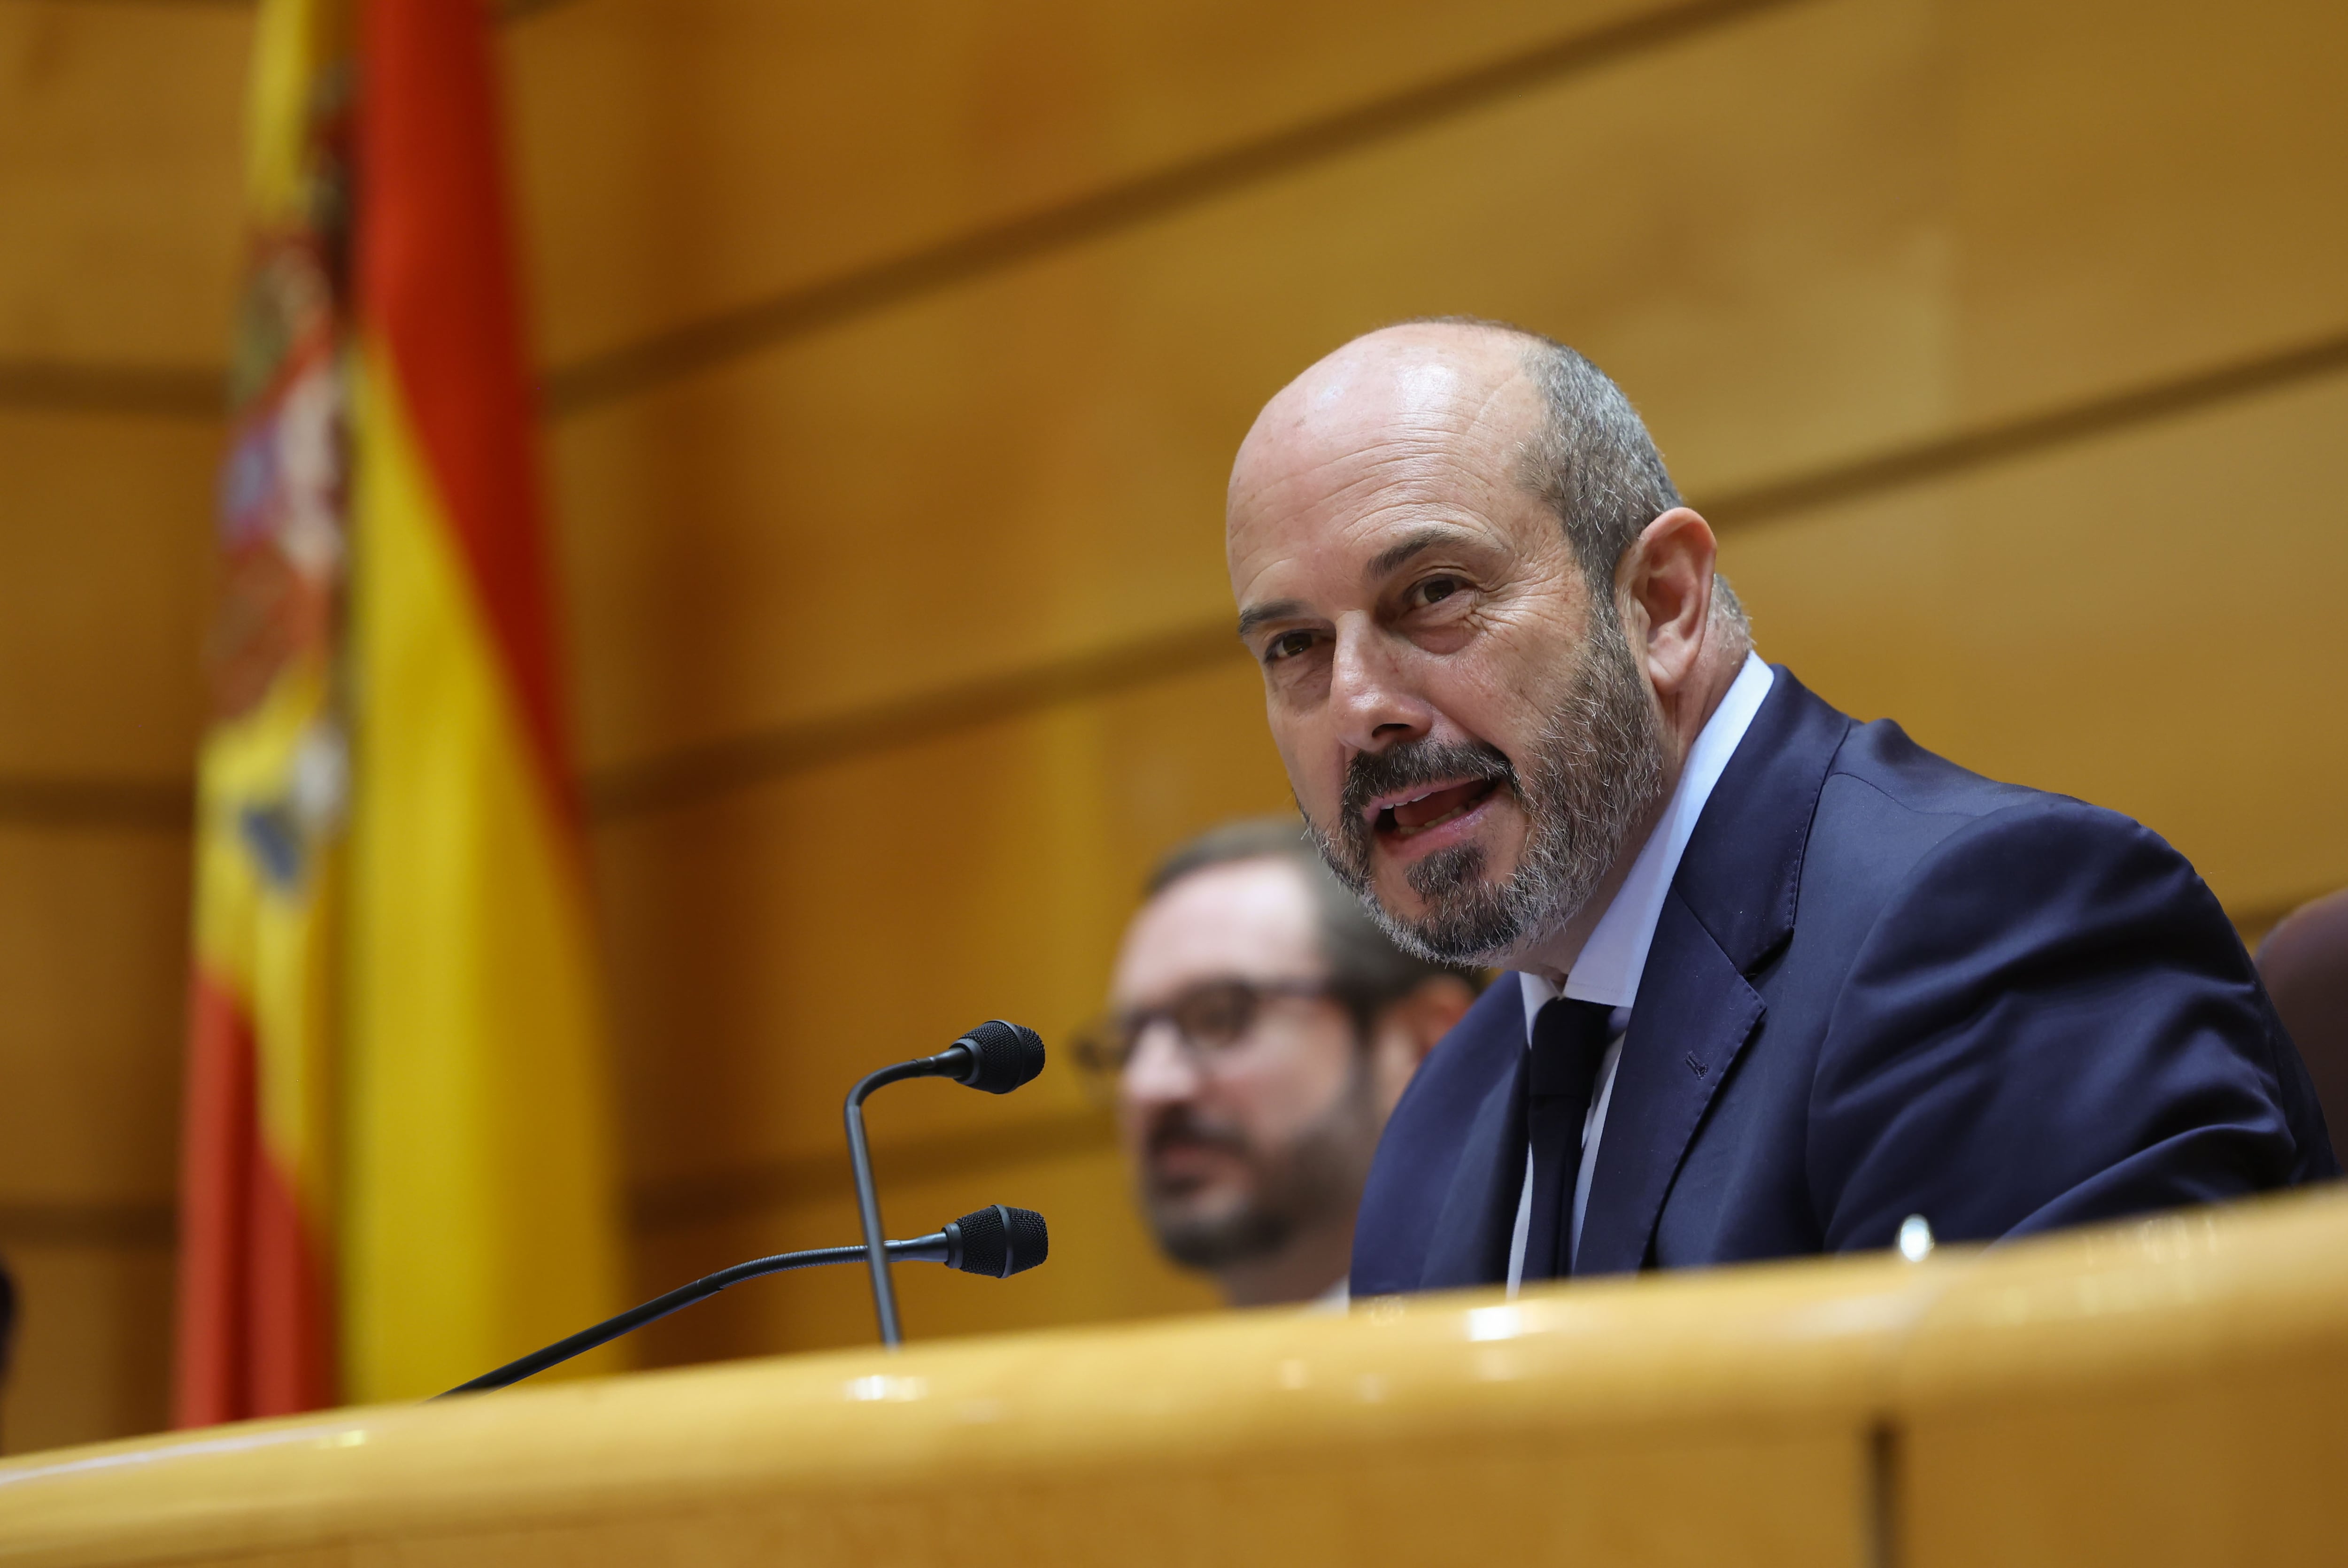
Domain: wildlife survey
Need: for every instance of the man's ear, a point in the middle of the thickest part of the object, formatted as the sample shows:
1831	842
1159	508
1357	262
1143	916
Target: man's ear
1409	1029
1666	579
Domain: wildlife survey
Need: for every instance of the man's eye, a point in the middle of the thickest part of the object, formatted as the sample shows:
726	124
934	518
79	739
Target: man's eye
1435	589
1287	645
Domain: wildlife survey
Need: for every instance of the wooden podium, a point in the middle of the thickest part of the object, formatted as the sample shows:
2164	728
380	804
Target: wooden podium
2174	1391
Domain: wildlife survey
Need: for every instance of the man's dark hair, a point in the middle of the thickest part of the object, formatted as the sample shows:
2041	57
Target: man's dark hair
1367	973
1593	462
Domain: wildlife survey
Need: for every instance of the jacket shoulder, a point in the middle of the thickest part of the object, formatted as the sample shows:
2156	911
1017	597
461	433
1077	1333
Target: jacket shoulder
1890	810
1880	755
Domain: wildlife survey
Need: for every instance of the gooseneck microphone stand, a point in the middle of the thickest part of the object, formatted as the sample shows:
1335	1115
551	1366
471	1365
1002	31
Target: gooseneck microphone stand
997	1241
868	1197
996	1056
660	1306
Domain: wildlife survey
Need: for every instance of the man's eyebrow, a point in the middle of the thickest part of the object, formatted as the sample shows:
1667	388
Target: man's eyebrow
1256	615
1418	538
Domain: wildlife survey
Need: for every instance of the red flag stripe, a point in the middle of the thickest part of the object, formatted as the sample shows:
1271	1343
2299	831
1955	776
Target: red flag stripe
256	1328
436	287
216	1156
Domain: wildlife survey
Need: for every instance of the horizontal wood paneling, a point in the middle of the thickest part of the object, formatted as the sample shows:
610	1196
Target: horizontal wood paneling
1795	272
118	204
120	181
2139	188
2071	164
105	541
1035	463
767	948
93	1346
682	158
2150	621
93	963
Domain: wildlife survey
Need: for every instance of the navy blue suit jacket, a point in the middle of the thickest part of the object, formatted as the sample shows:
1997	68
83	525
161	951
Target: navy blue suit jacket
1880	985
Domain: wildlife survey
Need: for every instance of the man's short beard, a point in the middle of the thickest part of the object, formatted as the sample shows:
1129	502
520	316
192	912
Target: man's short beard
1591	777
1315	1180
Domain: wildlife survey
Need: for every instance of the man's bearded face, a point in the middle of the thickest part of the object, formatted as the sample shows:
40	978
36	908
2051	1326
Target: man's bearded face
1586	779
1465	719
1279	1188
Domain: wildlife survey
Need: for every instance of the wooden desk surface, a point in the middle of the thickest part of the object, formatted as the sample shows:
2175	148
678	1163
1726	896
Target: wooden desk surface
2166	1391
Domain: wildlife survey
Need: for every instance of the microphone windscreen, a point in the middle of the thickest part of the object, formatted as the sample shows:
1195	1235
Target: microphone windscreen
1031	1243
1003	1056
1000	1242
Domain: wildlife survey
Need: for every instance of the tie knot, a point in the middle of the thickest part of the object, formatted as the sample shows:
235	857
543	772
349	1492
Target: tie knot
1569	1039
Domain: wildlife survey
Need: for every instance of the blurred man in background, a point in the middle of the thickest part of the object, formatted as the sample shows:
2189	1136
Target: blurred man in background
1261	1029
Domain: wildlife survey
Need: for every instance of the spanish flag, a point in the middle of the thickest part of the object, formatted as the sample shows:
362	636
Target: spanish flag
397	1166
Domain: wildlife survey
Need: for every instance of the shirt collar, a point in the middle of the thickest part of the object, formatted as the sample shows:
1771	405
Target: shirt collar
1607	969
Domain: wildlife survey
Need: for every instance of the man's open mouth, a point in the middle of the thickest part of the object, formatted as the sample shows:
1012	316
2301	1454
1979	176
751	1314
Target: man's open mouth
1408	818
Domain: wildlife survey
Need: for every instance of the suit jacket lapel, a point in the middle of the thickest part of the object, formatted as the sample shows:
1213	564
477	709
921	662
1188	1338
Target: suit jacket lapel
1684	1034
1730	906
1469	1245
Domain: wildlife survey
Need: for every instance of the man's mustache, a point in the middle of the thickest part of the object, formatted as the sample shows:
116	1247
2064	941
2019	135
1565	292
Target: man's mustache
1182	1126
1416	762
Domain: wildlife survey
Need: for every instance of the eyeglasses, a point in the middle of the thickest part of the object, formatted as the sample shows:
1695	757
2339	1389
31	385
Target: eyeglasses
1209	1020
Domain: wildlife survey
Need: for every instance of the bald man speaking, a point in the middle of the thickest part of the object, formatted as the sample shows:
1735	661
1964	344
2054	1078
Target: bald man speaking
1783	979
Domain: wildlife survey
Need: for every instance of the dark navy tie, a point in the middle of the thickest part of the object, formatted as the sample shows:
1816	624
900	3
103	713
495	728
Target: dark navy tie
1568	1041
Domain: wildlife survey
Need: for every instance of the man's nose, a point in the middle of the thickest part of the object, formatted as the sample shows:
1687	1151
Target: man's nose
1370	693
1160	1071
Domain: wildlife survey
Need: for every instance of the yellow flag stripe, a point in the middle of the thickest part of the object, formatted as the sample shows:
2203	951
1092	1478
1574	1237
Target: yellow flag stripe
477	1216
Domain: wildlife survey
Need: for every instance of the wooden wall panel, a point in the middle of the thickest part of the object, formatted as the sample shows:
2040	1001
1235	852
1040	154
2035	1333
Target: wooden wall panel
2150	621
1786	272
119	176
104	530
93	1351
118	205
681	159
769	948
104	542
93	963
2139	191
1035	463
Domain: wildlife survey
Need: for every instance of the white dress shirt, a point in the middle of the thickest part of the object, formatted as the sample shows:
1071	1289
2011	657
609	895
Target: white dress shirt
1607	968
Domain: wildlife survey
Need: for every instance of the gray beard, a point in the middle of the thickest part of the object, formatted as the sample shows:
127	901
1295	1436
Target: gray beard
1591	776
1315	1179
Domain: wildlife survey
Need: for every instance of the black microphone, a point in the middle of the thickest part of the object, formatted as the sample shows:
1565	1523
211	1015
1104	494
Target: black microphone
997	1242
997	1056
